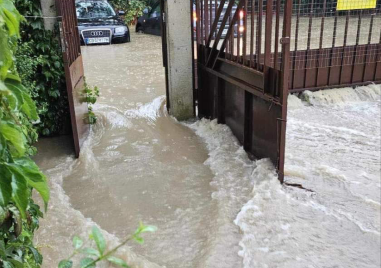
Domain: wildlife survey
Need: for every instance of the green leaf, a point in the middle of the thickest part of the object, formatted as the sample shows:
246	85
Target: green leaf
86	263
13	77
7	264
34	177
139	240
13	134
36	255
65	264
148	228
91	251
29	107
5	54
99	239
16	263
77	242
25	102
118	261
5	186
20	192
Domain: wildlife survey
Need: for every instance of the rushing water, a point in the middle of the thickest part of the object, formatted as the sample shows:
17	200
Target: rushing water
213	206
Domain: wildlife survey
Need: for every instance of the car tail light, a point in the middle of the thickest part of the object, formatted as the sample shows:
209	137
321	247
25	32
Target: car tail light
241	29
194	16
241	14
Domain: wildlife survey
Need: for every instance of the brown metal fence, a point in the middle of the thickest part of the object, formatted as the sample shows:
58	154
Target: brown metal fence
252	53
332	47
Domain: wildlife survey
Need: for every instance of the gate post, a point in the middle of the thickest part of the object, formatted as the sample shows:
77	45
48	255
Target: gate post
284	85
179	58
49	12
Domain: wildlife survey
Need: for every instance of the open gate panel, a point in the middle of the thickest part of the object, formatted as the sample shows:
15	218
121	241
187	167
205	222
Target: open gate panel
238	82
74	71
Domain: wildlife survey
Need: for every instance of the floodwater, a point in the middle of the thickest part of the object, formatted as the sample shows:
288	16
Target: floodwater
213	206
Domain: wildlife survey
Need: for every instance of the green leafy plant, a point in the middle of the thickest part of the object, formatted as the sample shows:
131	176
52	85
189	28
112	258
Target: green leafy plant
91	256
90	95
19	174
133	8
40	65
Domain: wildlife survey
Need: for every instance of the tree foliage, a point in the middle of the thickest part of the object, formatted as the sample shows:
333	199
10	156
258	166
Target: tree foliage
133	8
18	173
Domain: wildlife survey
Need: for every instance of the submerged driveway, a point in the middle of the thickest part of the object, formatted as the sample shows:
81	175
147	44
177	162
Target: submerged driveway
141	164
213	206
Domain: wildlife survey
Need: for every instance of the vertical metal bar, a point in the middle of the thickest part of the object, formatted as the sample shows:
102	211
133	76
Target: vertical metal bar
259	31
202	21
238	39
248	118
333	47
252	33
245	33
206	21
320	44
193	51
228	44
296	43
284	87
231	37
367	47
357	44
344	46
268	33
276	41
198	19
378	54
211	15
308	42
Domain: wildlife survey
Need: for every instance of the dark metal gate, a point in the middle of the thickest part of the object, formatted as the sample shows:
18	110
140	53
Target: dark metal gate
252	53
243	53
74	72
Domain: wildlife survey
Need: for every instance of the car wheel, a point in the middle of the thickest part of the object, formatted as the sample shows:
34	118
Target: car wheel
139	28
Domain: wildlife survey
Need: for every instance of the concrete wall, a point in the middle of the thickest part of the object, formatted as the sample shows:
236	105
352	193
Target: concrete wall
49	10
180	71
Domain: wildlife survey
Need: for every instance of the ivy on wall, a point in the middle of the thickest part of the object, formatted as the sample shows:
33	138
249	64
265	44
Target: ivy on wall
40	65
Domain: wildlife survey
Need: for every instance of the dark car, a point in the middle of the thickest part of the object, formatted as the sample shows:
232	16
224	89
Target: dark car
150	21
98	23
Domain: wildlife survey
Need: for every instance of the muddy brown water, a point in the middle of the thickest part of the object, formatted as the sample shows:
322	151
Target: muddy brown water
138	164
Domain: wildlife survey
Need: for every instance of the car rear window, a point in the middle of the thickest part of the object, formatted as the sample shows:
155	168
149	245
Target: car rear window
96	9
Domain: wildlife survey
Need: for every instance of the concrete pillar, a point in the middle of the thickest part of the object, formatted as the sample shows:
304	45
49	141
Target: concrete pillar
179	47
49	11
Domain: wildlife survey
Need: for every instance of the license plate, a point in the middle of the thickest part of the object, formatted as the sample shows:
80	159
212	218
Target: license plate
98	40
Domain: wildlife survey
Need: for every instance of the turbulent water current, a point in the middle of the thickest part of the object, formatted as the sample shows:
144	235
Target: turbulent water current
212	205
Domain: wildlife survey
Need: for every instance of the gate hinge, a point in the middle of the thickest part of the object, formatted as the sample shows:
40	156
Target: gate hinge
285	40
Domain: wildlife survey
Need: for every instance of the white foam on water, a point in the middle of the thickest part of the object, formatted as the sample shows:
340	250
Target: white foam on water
333	148
231	187
340	96
150	111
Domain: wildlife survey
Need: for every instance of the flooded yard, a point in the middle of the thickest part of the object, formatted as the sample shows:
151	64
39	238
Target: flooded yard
212	205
